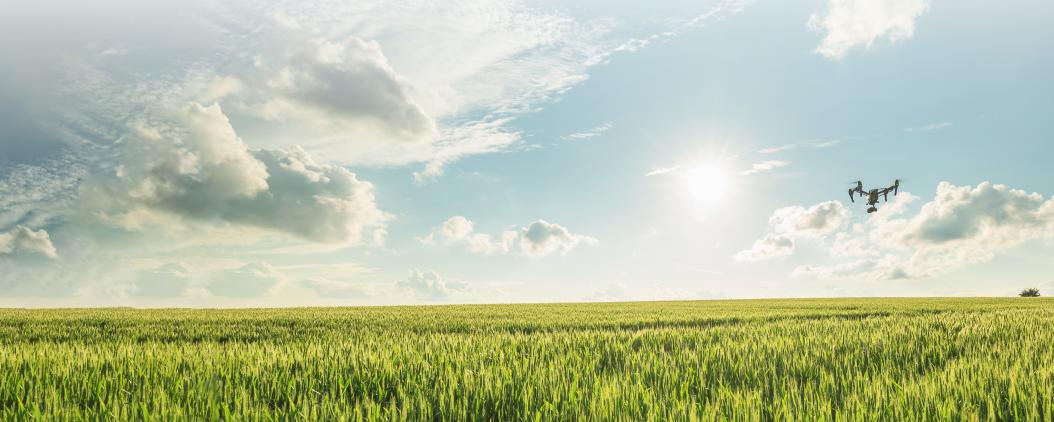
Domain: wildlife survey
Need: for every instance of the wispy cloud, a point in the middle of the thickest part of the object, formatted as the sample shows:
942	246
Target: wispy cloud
661	171
591	133
764	166
796	145
929	127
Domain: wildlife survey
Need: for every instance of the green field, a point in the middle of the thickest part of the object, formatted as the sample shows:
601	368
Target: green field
859	359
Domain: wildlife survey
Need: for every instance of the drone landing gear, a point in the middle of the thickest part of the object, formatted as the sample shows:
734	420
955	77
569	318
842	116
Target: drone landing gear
872	209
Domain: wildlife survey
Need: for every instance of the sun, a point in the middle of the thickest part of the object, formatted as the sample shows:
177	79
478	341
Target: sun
705	182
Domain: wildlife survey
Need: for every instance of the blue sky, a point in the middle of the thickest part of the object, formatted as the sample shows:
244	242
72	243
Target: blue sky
289	154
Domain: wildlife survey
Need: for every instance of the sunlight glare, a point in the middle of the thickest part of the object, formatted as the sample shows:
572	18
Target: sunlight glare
706	182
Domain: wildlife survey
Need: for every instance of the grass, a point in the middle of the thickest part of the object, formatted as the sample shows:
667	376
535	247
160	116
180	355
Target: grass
853	359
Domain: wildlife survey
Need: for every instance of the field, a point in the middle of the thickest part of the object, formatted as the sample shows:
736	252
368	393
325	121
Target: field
857	359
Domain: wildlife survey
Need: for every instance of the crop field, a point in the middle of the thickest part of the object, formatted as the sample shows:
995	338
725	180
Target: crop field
855	359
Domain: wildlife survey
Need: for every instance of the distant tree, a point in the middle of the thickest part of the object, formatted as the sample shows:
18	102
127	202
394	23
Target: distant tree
1030	292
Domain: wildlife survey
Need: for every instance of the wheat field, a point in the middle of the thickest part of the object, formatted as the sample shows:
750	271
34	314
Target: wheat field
844	359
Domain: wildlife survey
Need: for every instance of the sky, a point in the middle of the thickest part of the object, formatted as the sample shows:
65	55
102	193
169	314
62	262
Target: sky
323	153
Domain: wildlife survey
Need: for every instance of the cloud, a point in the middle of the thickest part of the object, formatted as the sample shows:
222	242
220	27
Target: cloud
239	130
169	280
661	171
591	133
430	285
485	244
768	247
41	193
849	23
790	223
456	228
864	269
251	280
765	166
962	225
25	241
197	168
816	221
542	238
332	289
929	127
796	145
346	86
539	238
369	83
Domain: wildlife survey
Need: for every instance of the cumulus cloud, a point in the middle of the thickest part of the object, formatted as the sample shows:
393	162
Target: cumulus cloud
251	280
816	221
539	238
198	168
765	166
789	223
346	85
849	23
430	285
25	241
542	238
456	228
768	247
962	225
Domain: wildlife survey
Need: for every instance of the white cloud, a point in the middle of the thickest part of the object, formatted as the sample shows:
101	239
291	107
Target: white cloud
430	285
485	244
346	87
963	225
169	280
333	289
849	23
790	223
539	238
768	247
765	166
863	269
929	127
542	238
816	221
373	82
366	83
456	228
41	193
195	167
251	280
796	145
591	133
661	171
448	75
23	240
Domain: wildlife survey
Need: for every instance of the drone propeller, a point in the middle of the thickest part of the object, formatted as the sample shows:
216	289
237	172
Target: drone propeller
896	185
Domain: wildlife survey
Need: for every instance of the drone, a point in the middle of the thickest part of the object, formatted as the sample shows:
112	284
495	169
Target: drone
872	195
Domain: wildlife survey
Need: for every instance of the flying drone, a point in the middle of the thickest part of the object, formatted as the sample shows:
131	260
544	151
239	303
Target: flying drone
872	195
